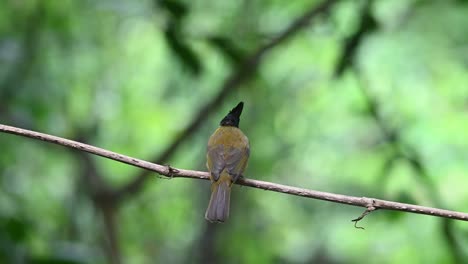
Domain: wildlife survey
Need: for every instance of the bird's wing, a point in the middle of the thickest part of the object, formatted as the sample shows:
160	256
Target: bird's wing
236	161
215	161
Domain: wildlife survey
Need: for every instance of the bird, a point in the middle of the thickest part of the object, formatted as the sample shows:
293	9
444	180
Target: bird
227	156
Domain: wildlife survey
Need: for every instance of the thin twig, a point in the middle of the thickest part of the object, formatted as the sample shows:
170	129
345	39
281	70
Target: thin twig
175	173
370	208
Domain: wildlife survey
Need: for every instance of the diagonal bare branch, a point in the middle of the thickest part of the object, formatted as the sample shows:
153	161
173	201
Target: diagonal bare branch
173	172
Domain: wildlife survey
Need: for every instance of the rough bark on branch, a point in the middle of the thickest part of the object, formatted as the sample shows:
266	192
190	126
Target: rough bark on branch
371	204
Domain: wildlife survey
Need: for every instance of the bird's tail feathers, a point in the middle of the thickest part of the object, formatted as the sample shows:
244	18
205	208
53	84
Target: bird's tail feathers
218	208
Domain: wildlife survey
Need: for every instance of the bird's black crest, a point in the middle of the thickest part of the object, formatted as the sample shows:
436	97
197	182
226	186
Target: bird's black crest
233	118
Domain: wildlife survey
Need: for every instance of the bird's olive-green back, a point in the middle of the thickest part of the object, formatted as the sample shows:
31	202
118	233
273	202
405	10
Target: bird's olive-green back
228	151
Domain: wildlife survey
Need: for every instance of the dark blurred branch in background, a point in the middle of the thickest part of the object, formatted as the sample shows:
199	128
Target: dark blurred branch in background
450	234
371	204
183	52
111	240
202	251
243	73
102	197
392	136
367	24
13	81
405	152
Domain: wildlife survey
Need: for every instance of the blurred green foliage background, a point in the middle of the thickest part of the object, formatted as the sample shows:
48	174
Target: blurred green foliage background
369	99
